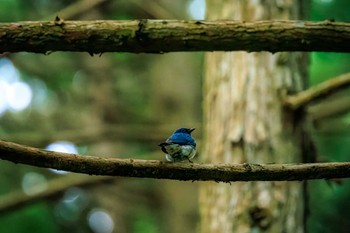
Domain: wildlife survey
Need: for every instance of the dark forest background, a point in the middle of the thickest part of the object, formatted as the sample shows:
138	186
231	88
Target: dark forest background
123	105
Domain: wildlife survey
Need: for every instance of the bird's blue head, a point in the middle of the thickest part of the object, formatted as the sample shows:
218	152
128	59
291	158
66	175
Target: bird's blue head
184	130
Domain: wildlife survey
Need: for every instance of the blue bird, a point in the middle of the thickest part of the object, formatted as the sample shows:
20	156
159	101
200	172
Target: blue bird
179	146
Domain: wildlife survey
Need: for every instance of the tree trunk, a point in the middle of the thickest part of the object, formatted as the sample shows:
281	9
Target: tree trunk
245	122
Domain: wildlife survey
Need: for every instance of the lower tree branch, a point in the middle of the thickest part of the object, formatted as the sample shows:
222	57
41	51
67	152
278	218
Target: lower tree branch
176	171
321	90
55	187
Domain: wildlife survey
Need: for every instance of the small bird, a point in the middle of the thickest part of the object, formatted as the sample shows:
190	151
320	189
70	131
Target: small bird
179	146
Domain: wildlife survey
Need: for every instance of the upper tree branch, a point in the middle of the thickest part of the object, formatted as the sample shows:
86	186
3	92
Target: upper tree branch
159	36
176	171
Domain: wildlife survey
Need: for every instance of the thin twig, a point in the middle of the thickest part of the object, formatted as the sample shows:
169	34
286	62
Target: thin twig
175	171
319	91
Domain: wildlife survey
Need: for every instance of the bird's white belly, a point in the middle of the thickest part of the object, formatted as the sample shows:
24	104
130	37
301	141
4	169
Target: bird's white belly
180	152
188	151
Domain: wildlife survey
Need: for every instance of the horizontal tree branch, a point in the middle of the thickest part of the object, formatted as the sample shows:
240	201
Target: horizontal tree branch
159	36
175	171
55	187
321	90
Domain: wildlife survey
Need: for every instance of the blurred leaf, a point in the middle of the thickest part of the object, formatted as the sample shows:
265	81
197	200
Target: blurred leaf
145	222
37	218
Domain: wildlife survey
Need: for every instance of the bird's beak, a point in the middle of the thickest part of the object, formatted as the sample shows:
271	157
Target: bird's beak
192	129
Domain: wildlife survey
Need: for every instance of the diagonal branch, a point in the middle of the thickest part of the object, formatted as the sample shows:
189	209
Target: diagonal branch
159	36
76	8
175	171
18	199
321	90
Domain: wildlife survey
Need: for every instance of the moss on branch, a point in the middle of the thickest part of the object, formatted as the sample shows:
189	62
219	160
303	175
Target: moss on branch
159	36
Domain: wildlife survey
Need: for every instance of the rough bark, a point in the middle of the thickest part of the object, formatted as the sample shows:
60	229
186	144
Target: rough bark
159	36
245	122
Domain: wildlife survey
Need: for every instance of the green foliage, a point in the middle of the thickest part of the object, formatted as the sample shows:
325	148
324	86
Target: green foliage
337	10
36	218
10	10
327	65
329	202
145	222
329	208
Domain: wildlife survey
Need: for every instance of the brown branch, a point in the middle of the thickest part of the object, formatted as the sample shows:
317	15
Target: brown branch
175	171
18	199
321	90
159	36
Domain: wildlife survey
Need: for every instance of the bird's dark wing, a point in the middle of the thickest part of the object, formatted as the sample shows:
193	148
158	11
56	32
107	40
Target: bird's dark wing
163	147
170	148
